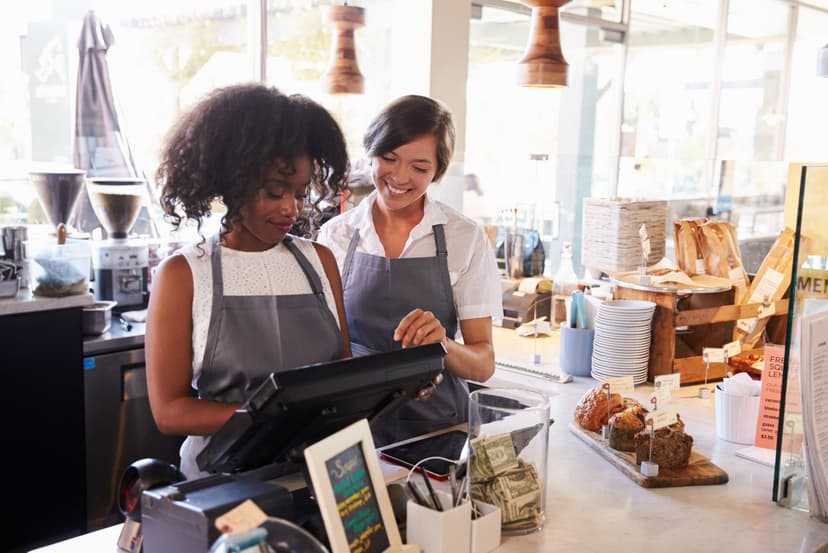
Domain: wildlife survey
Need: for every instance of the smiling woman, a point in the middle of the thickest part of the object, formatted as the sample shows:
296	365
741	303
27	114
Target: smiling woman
415	271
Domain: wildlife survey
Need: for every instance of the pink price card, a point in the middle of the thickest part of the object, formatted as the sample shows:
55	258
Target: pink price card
767	424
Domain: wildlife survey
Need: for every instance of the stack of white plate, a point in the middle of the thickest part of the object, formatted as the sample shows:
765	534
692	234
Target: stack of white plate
622	340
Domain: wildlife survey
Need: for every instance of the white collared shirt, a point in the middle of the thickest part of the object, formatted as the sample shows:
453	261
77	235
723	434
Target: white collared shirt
475	281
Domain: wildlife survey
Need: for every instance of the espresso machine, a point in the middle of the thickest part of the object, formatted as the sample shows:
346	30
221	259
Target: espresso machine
120	263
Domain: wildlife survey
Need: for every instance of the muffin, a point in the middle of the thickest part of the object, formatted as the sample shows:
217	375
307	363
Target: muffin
624	426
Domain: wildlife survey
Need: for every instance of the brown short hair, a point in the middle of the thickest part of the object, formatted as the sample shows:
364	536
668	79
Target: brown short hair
407	119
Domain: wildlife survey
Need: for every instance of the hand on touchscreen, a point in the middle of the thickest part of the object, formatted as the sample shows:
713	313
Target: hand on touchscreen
425	393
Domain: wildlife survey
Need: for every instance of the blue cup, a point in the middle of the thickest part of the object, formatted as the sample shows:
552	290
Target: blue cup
576	350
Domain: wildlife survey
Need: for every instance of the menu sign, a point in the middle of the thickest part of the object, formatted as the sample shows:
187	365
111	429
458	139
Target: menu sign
356	501
770	397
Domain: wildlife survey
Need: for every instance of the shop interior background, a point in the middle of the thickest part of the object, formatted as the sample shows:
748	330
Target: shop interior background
701	102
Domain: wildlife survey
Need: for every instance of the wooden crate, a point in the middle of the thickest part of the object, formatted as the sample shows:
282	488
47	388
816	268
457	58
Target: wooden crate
684	324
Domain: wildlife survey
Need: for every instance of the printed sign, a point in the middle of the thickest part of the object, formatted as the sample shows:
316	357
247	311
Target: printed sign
765	311
811	283
620	384
769	399
661	418
713	355
732	348
243	517
746	325
736	275
660	397
356	501
673	381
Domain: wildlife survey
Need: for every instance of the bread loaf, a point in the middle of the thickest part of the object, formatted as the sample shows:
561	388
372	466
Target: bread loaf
671	446
591	412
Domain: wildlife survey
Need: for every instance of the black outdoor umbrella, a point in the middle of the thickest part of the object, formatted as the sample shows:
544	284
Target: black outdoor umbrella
100	147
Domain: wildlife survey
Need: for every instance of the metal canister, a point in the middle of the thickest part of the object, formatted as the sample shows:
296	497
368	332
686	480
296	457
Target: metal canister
13	238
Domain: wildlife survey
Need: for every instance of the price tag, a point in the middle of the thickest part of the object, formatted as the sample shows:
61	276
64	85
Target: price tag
737	276
645	245
746	325
731	349
700	267
543	326
661	418
766	311
245	516
713	355
642	232
620	384
660	397
671	381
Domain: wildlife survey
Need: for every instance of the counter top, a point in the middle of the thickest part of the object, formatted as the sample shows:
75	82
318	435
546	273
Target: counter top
591	507
118	337
25	302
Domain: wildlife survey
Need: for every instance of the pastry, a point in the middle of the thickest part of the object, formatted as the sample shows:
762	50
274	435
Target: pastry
750	363
591	412
671	446
624	426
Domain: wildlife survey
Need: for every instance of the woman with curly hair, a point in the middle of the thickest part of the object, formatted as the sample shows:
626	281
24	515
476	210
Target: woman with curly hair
229	310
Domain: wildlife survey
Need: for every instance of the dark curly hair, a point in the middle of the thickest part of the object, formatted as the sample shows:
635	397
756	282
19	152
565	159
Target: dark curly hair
407	119
223	146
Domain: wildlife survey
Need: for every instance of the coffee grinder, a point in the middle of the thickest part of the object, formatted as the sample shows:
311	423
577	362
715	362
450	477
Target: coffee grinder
120	263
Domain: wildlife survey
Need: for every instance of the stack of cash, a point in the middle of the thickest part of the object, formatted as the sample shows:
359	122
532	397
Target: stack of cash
500	477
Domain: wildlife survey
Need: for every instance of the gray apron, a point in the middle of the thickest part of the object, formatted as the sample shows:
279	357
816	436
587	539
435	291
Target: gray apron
379	292
251	336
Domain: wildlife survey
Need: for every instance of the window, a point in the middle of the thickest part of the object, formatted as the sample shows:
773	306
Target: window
165	56
667	100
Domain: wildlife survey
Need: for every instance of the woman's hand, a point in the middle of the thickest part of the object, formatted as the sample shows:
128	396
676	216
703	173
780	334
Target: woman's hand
419	327
425	393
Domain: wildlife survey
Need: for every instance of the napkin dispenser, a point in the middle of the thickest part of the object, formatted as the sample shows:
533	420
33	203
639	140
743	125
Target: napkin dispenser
529	301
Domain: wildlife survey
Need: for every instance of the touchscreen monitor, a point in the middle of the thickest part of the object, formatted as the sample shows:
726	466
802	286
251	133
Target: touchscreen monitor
303	405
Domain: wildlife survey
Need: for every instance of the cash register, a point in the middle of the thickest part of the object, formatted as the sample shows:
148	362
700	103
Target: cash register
525	300
266	438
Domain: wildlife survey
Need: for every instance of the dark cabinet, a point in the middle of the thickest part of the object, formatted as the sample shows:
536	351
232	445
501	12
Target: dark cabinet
43	451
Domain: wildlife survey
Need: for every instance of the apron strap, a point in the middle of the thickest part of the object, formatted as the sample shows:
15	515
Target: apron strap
442	256
311	274
440	240
218	300
349	258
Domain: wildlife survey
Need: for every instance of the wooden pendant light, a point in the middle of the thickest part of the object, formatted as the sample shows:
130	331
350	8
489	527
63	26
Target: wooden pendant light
343	75
543	63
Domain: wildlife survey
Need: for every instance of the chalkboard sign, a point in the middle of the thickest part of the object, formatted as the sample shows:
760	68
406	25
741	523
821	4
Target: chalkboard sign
351	493
357	501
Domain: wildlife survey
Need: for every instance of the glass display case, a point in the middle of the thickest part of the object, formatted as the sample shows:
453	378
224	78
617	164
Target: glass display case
800	466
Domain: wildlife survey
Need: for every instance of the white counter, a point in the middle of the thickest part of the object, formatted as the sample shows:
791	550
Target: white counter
593	508
25	302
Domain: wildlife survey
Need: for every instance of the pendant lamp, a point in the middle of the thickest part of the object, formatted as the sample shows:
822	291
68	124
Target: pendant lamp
343	75
543	63
822	62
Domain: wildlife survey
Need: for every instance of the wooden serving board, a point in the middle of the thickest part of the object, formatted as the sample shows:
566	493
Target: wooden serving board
699	471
